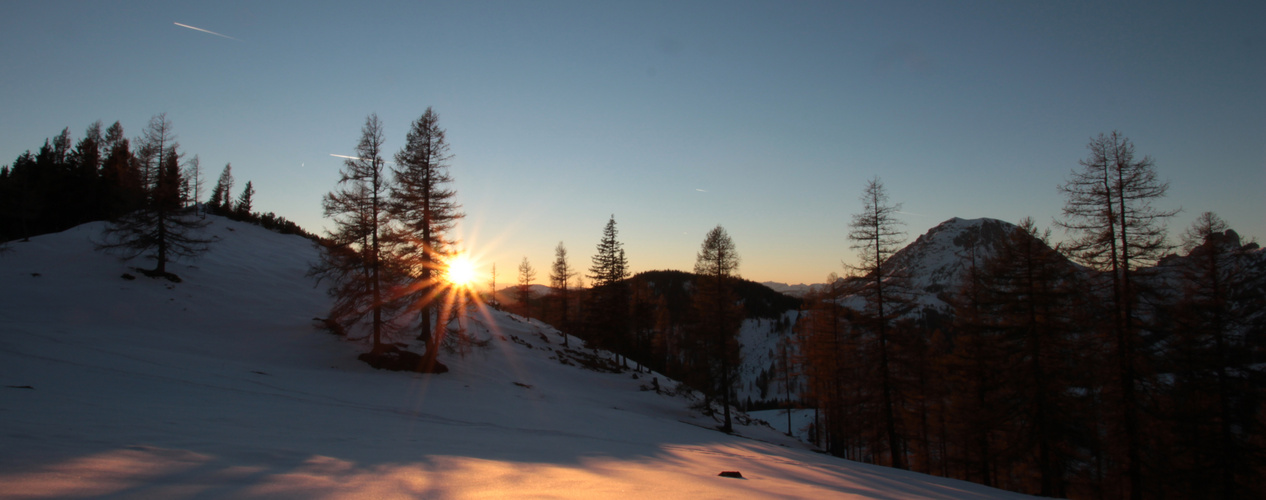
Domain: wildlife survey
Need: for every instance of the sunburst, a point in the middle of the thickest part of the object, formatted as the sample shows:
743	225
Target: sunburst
461	271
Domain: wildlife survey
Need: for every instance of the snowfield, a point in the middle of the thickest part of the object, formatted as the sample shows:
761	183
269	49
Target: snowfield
222	386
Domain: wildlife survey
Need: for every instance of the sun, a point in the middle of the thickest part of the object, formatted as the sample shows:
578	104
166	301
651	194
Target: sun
461	271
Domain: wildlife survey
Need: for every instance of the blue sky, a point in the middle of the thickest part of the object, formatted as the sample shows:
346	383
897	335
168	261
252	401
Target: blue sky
765	117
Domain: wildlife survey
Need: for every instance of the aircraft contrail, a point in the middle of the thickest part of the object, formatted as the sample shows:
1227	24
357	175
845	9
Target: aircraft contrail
345	156
205	31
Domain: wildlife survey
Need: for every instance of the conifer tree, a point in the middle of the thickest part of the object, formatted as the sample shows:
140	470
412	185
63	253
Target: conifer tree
877	236
1216	447
720	315
123	191
1117	231
355	259
560	275
527	275
220	202
425	208
195	180
245	201
160	228
607	316
83	182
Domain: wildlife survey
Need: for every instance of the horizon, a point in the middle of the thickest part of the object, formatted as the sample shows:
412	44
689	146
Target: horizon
764	118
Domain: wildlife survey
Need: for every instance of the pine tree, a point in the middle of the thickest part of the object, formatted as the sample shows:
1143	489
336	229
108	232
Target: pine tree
1117	231
244	202
607	319
83	182
877	236
123	191
160	226
720	315
354	258
425	207
220	202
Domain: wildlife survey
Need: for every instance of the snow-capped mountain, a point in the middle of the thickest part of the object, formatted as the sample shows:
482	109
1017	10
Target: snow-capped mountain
797	290
115	385
937	261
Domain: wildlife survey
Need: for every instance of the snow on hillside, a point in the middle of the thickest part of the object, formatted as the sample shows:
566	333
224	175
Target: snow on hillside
761	341
938	260
221	386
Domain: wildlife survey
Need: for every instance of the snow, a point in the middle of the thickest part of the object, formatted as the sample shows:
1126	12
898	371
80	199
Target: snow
222	386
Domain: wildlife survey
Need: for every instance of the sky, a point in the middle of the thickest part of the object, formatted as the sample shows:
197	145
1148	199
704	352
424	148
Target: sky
767	118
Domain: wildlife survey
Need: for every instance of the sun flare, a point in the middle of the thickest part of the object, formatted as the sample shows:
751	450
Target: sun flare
461	271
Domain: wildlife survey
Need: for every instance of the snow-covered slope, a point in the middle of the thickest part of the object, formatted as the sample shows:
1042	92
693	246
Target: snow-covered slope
221	386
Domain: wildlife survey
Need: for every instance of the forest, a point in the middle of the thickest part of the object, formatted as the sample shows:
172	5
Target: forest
1110	364
106	176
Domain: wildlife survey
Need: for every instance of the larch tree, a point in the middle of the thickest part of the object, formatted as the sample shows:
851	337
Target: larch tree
527	274
1029	298
424	207
160	228
1116	230
354	258
194	178
720	314
559	278
1217	448
876	234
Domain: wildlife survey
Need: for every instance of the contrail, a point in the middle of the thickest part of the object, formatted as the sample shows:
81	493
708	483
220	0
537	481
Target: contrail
357	158
205	31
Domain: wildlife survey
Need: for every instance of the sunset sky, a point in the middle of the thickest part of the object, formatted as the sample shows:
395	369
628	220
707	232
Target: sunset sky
765	117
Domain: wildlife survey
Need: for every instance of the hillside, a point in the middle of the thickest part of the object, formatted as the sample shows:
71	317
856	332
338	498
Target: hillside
221	386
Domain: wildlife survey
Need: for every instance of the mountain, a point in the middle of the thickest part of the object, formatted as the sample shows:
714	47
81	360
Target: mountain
797	290
938	260
115	385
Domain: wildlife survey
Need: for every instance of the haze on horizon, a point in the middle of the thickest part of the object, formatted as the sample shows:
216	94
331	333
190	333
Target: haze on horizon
763	117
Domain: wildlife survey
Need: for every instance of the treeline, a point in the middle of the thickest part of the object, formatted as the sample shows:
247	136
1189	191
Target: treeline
683	325
105	176
1103	367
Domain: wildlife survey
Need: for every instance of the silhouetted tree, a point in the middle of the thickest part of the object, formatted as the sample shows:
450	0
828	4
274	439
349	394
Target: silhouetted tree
607	314
560	275
194	179
160	228
876	234
244	202
1117	231
720	315
123	191
220	202
425	207
1216	446
354	258
524	292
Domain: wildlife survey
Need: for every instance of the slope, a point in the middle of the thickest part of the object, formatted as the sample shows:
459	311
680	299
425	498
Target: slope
220	386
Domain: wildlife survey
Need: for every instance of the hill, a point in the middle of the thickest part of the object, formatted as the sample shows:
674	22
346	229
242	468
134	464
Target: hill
221	386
